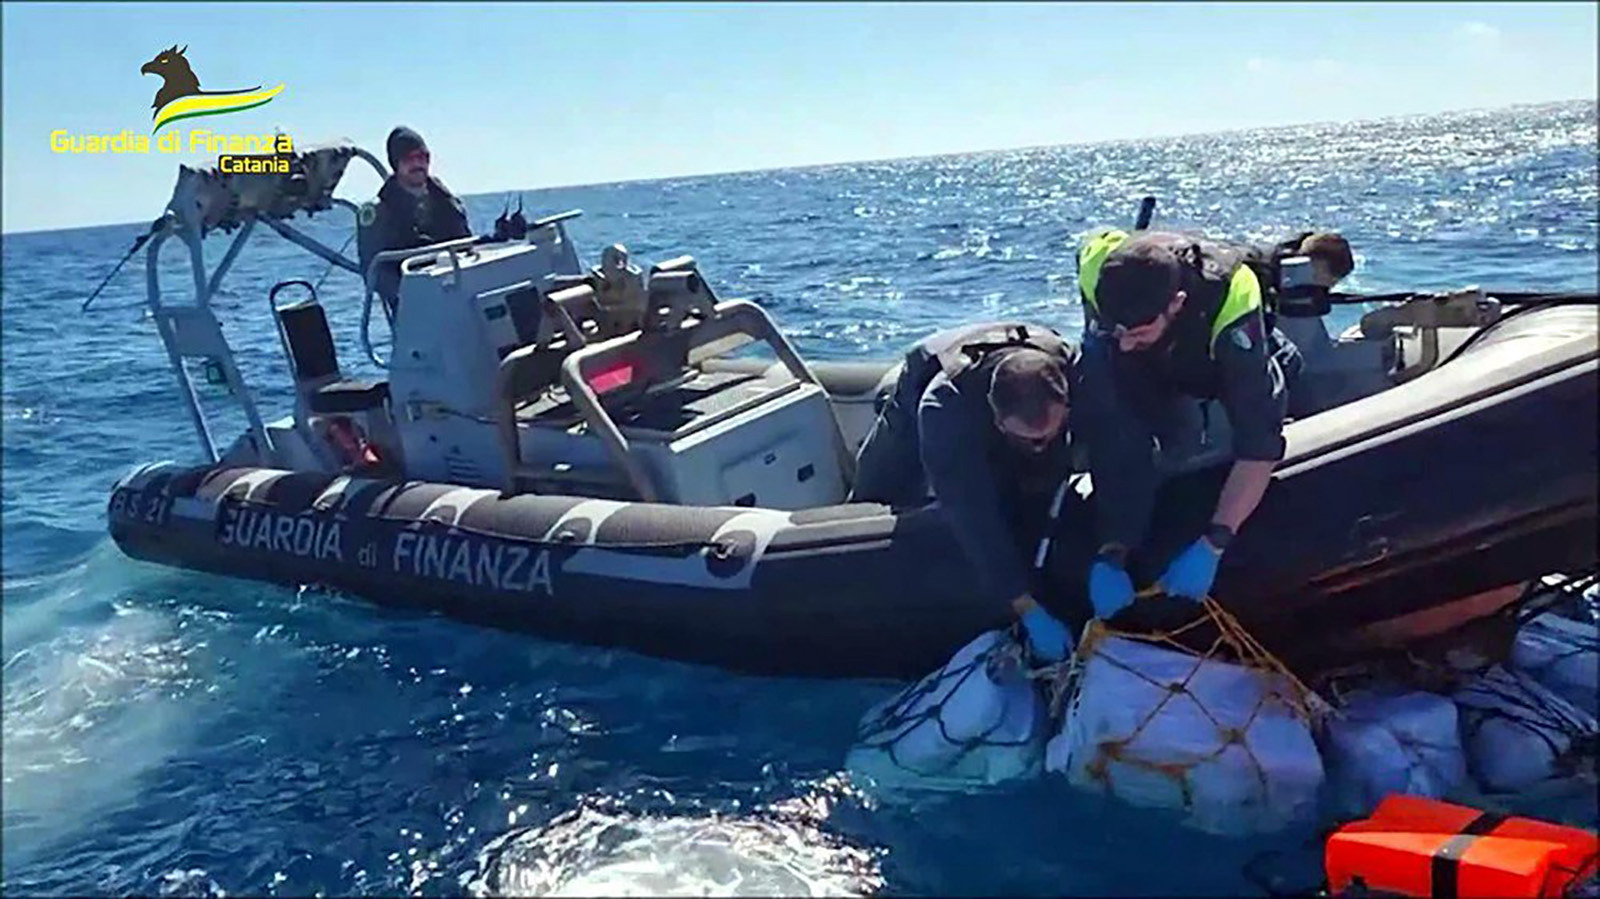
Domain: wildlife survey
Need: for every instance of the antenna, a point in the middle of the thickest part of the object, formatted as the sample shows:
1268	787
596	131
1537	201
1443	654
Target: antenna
1147	208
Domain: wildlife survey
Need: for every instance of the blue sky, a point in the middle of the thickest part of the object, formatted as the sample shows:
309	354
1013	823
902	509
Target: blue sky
520	96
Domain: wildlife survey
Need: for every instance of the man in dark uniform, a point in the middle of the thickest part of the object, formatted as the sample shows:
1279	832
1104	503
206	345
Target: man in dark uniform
1327	255
414	209
979	415
1173	319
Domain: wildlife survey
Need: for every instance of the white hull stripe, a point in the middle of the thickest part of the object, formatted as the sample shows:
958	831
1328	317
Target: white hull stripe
139	477
252	484
450	506
336	495
690	571
595	510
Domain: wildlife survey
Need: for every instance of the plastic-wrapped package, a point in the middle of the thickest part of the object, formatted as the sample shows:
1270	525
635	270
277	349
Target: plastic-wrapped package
1564	655
1158	727
1386	742
1517	732
979	720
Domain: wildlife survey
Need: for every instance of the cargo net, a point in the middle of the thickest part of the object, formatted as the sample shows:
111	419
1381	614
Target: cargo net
1550	654
1574	593
922	732
1232	644
1503	699
1529	698
1445	662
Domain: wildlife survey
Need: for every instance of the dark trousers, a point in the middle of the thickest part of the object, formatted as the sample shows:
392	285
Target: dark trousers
889	463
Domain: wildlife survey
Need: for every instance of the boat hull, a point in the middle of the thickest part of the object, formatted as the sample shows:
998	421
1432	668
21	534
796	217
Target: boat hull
1478	475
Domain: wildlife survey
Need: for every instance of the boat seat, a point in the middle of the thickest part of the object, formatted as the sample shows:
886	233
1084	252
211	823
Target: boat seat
316	364
305	329
349	396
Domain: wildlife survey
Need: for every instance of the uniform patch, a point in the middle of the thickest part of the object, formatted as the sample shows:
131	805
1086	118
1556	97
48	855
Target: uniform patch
368	215
1241	338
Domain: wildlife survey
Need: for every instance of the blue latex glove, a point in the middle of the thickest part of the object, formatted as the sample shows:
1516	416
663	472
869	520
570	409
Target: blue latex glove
1191	573
1110	588
1047	637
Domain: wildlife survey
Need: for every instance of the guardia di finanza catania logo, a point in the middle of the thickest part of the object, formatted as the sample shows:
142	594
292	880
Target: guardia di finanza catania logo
180	96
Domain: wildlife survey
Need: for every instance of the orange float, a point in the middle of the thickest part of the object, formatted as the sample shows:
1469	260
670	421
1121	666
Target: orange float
1412	846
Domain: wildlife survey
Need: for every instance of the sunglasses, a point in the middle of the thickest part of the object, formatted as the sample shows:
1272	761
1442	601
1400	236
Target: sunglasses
1119	331
1027	441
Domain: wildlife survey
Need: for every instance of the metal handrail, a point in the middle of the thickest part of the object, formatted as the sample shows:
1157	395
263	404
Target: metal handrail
167	317
379	167
311	245
732	316
371	287
558	217
790	357
404	256
152	274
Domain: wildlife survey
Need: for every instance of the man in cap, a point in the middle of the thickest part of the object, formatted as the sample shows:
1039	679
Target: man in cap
414	209
1173	319
978	415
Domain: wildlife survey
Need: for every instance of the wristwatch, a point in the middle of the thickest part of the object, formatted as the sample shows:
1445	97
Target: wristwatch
1219	535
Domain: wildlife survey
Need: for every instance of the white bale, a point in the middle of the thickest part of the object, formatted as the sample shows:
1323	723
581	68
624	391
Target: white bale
1564	655
1383	743
1516	731
1225	747
977	721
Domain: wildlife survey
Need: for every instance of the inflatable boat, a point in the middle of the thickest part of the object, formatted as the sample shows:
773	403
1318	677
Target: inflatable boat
614	456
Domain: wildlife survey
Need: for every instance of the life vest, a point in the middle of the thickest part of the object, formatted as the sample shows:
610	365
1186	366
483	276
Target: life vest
1219	275
972	354
976	346
1412	846
357	454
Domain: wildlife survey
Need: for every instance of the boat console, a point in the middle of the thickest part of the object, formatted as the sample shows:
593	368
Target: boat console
640	405
511	365
503	376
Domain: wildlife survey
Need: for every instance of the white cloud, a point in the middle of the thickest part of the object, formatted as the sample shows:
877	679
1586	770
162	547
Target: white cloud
1477	35
1260	64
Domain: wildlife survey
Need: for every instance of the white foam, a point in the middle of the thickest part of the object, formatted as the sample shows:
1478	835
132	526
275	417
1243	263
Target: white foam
593	852
89	707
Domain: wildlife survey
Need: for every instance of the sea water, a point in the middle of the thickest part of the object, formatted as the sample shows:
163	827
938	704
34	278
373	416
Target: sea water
167	732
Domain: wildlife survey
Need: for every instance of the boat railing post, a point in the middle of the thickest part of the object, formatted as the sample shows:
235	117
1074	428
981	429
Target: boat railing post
506	411
1147	209
366	327
764	328
313	246
163	327
228	258
378	166
583	397
197	266
230	368
371	281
